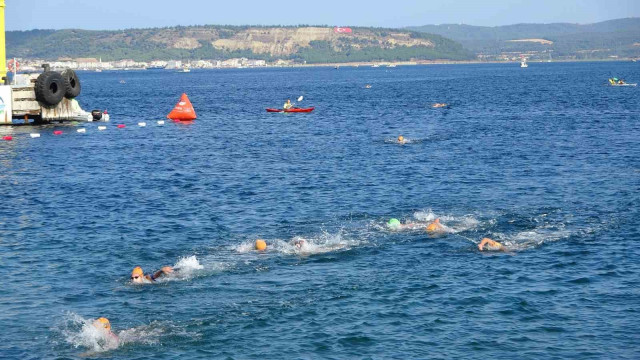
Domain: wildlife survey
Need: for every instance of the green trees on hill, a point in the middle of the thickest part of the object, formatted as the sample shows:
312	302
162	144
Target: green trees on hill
153	44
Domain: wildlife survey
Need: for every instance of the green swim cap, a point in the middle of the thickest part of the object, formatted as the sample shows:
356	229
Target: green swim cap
393	222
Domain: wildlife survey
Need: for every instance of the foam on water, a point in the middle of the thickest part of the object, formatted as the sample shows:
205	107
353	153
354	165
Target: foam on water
322	243
524	240
81	334
451	224
405	142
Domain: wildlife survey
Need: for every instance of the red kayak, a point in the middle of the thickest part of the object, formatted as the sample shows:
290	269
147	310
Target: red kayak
292	110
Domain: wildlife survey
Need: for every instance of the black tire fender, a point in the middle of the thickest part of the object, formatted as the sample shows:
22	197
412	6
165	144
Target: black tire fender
71	84
49	88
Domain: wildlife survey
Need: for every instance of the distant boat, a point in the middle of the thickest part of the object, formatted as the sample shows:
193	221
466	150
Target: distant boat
391	65
155	67
185	69
98	70
523	63
375	65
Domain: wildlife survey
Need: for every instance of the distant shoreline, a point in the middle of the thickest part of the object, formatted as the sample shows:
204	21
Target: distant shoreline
384	64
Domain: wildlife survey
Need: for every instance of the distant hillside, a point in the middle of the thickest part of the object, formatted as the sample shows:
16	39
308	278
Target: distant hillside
300	43
600	40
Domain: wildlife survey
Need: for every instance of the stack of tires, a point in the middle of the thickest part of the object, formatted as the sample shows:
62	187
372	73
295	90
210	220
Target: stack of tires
52	86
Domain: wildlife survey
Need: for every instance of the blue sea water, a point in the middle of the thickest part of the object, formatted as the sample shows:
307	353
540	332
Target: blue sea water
544	159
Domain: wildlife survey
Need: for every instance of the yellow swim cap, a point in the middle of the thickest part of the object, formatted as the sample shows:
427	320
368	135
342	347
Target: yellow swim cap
261	245
102	323
137	271
401	138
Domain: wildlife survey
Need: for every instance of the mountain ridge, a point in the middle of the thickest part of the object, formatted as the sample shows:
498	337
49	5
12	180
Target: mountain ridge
312	44
602	39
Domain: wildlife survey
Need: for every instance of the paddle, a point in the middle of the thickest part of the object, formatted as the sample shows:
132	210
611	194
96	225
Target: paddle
299	100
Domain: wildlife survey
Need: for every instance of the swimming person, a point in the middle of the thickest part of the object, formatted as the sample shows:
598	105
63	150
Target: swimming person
138	276
401	140
104	325
261	245
491	245
395	224
439	105
299	243
435	226
287	105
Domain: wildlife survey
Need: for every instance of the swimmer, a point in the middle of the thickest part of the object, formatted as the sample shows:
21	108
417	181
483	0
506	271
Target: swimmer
261	245
138	276
104	326
401	140
395	224
439	105
492	245
435	227
299	243
367	86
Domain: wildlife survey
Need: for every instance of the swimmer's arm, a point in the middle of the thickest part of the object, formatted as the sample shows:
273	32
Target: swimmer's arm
164	271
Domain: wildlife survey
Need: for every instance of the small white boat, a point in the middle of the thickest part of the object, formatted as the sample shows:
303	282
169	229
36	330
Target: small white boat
625	84
98	70
391	65
523	63
375	66
185	69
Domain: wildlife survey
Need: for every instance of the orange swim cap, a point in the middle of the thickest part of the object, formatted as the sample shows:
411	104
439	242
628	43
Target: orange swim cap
261	245
434	226
102	323
137	271
400	138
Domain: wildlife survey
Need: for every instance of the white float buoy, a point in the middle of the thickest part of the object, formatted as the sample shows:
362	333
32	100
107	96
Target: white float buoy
34	135
102	128
105	117
160	122
142	124
82	130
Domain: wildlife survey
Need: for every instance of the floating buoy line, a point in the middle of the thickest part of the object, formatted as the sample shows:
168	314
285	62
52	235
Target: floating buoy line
183	112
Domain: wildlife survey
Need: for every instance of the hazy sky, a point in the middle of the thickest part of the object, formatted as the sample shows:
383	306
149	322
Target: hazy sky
120	14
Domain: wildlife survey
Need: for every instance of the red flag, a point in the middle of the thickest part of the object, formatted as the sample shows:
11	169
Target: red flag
342	30
183	110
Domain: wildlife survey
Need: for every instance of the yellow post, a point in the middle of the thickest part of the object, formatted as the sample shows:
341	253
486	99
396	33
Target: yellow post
3	50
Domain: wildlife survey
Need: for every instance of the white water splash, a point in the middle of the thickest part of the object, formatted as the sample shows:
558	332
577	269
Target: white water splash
81	334
320	244
450	224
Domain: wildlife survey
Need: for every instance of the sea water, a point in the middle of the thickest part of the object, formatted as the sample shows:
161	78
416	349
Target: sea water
545	160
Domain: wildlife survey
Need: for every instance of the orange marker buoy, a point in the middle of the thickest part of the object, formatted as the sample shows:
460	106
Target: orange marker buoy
261	245
183	110
57	132
7	137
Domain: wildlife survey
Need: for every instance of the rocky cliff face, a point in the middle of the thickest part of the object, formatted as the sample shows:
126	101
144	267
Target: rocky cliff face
303	43
283	41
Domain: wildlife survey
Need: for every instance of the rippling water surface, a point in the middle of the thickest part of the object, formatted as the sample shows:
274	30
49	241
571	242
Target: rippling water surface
544	159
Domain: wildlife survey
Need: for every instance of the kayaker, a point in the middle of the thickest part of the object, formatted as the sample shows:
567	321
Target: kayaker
287	105
491	245
138	276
